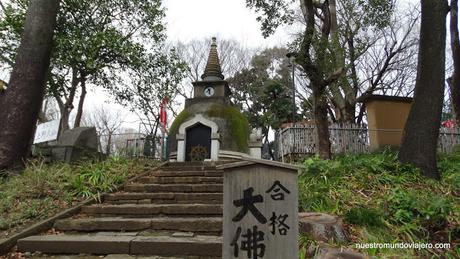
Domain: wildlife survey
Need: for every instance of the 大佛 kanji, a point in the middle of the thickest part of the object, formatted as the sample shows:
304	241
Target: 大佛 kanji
247	203
252	243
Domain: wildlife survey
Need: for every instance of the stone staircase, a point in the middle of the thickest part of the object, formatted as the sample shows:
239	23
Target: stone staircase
174	211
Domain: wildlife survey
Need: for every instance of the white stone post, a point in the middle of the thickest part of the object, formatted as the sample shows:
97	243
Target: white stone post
215	146
180	147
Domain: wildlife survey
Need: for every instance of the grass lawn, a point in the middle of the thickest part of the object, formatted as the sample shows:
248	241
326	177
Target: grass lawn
42	190
384	201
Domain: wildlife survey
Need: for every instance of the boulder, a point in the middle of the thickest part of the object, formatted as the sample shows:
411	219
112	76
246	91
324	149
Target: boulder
324	251
322	227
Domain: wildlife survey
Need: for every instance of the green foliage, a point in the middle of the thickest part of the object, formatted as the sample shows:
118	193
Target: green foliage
272	14
265	98
42	190
37	191
385	201
117	45
93	35
181	118
239	124
96	178
402	205
363	216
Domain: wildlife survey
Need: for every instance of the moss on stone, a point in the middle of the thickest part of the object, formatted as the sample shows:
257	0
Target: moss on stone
181	118
239	124
238	127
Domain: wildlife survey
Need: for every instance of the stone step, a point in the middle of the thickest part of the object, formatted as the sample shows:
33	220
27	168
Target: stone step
163	198
182	179
153	209
180	246
137	187
123	244
189	168
212	224
179	173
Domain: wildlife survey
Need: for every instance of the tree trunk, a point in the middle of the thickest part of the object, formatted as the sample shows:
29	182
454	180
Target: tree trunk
455	46
362	110
315	73
67	107
42	113
22	101
321	121
81	101
421	132
109	143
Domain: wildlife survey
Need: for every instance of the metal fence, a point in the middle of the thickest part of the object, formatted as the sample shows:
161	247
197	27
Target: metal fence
345	138
151	147
133	145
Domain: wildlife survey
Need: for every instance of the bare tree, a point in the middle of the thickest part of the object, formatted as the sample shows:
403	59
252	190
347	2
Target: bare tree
233	57
389	64
120	140
49	111
382	61
22	101
107	123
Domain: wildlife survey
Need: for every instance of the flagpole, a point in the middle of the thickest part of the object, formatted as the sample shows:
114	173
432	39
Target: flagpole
164	123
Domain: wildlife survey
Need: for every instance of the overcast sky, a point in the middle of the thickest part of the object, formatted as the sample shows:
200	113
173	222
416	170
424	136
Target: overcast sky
198	19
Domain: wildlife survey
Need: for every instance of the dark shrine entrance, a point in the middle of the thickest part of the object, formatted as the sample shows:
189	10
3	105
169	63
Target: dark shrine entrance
198	143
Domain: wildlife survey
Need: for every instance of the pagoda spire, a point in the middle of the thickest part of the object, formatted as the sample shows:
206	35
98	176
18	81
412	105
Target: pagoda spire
213	70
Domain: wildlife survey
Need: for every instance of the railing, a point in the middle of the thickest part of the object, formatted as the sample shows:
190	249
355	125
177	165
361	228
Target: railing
448	139
133	145
345	138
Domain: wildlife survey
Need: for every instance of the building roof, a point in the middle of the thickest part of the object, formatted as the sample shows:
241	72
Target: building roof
213	70
377	97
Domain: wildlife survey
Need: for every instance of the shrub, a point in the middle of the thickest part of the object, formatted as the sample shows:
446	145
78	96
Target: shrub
364	216
41	190
94	179
402	206
384	200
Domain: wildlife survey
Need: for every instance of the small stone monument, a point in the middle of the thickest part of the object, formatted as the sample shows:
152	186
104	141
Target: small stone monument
260	210
76	144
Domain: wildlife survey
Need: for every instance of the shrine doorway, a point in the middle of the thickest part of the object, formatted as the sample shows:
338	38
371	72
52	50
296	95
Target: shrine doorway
198	143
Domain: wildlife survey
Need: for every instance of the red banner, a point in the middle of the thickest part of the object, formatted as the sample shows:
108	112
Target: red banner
164	115
448	124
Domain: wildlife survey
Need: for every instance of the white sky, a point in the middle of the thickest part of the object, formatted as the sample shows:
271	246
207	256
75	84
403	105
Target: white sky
198	19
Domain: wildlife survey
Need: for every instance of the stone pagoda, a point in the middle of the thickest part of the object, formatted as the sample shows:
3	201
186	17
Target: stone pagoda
210	128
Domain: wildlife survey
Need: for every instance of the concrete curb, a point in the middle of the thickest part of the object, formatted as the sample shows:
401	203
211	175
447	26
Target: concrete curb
8	243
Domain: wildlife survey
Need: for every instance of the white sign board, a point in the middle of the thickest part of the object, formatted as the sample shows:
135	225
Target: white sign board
46	132
260	212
